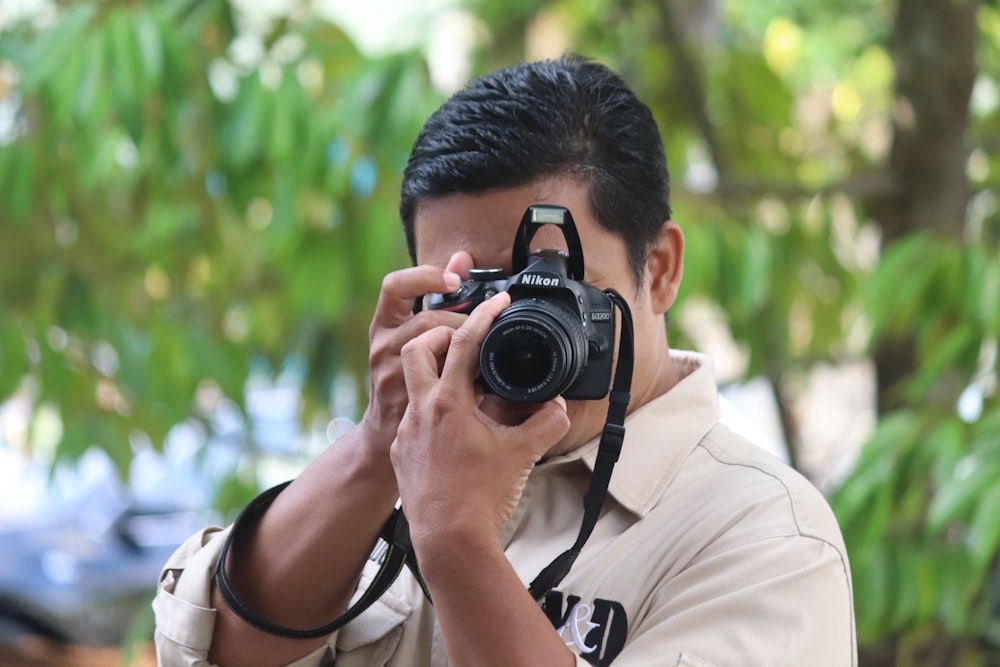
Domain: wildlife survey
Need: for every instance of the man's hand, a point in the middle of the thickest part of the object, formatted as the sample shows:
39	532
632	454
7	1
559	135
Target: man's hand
460	471
302	578
393	325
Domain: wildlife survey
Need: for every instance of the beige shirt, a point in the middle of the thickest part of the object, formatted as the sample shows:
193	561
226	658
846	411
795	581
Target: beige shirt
709	552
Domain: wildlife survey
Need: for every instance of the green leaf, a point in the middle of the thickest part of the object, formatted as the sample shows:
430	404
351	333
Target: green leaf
949	355
876	466
895	290
925	582
943	448
319	281
6	165
700	260
956	580
759	93
127	84
91	78
147	34
245	130
906	600
283	121
23	158
989	295
987	428
871	571
13	356
956	498
78	436
984	531
54	48
757	263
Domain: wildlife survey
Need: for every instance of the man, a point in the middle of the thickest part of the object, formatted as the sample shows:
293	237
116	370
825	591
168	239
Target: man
708	551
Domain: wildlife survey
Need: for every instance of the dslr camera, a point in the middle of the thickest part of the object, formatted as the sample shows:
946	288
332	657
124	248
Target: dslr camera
557	335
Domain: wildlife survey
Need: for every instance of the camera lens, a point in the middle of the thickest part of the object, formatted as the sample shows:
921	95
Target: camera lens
533	352
524	358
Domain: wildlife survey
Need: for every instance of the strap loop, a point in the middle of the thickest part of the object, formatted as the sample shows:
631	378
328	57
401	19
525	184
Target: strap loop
392	565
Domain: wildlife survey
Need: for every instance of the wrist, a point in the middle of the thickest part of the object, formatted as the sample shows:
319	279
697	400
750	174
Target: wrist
369	452
377	430
446	547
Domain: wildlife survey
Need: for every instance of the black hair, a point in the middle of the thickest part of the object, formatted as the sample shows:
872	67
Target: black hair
566	117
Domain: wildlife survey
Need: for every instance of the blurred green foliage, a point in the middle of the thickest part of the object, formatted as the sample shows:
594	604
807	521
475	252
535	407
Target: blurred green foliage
176	214
171	217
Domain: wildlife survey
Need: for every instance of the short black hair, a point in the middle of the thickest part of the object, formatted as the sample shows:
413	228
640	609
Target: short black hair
565	117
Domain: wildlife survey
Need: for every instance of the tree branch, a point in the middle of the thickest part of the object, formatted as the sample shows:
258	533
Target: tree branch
871	185
690	81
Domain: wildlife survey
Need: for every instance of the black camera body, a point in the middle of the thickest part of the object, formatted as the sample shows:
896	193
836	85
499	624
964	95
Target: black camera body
557	335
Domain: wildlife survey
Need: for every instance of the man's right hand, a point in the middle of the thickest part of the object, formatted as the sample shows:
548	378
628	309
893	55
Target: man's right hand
392	326
299	566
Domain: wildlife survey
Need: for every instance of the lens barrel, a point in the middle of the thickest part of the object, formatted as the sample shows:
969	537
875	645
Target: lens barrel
534	351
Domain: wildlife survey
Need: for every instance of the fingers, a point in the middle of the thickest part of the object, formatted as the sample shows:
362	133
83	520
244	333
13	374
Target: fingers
421	358
463	355
459	348
400	288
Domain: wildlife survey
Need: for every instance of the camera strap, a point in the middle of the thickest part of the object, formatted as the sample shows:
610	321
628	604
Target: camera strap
396	532
608	450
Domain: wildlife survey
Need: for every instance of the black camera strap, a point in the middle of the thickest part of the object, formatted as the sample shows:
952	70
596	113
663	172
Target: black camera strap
396	532
608	450
399	553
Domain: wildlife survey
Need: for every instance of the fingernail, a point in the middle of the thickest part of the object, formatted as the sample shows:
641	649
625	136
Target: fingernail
561	402
452	281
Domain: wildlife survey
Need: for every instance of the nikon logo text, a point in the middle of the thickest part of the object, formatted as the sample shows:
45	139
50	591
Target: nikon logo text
539	280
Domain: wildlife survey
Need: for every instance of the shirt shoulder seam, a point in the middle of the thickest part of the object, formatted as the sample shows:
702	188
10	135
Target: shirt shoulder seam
787	493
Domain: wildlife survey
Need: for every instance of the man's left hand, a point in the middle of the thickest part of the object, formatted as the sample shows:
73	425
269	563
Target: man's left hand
460	471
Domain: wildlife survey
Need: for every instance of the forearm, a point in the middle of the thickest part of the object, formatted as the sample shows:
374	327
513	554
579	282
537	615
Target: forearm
299	565
485	613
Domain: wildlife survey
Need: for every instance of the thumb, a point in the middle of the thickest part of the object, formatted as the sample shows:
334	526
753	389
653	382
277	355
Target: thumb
460	262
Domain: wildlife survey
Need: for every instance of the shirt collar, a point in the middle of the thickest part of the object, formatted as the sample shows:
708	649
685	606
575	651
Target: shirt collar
660	435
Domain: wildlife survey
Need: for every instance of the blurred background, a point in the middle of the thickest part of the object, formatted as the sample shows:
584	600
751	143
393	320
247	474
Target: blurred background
198	201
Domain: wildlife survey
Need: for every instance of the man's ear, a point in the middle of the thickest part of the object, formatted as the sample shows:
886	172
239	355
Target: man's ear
665	267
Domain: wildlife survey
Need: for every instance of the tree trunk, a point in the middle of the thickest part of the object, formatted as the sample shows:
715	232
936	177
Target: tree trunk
934	56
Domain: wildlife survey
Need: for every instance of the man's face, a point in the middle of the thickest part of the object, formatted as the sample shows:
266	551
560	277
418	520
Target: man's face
484	225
